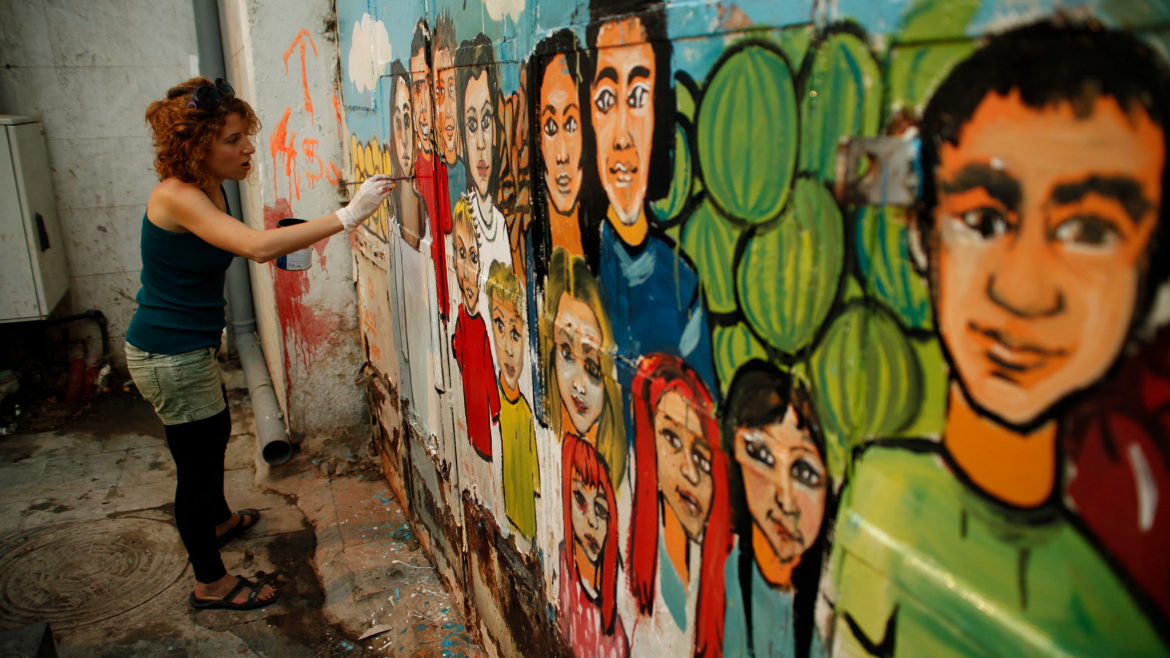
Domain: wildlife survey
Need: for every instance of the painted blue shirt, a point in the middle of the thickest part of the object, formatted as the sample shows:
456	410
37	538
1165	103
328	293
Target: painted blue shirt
651	294
773	635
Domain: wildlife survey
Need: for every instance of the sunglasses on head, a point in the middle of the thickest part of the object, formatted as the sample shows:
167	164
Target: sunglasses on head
208	97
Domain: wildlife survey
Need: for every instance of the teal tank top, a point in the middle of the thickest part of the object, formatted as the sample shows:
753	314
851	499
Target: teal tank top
181	302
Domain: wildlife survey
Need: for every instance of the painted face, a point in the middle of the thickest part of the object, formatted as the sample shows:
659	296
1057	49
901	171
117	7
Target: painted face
590	519
420	92
479	131
623	116
467	266
230	156
684	462
560	135
448	122
784	483
403	128
1043	225
578	362
509	335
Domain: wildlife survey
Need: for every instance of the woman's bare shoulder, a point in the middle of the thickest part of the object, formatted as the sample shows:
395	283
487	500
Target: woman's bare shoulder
165	196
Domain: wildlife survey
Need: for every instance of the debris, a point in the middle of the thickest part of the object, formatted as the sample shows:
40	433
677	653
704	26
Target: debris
376	630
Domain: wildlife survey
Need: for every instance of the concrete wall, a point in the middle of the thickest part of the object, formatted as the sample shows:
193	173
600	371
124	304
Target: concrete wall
282	58
669	383
90	70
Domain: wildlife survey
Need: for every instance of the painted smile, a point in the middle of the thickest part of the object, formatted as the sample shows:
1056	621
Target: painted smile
511	370
592	544
563	181
623	174
782	529
580	406
690	501
1014	359
482	169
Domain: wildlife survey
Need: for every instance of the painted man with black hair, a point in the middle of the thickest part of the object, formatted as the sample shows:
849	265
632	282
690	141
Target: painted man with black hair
1045	154
446	115
430	173
651	290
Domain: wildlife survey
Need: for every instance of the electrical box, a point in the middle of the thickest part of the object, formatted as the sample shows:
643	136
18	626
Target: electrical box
34	274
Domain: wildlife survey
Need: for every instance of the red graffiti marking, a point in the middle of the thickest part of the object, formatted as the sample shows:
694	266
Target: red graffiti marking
282	143
337	111
300	39
306	332
332	174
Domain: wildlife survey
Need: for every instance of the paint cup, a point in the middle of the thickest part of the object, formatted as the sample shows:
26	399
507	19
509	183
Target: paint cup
300	259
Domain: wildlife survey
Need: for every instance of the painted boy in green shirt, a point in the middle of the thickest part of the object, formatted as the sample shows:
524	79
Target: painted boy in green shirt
1044	155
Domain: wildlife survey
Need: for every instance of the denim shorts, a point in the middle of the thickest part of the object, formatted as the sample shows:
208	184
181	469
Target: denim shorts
182	387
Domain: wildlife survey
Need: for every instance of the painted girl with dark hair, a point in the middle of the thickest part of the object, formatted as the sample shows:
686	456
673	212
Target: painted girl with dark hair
589	555
478	99
680	530
783	502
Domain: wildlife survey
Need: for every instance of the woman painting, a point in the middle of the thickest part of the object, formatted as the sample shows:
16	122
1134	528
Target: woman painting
680	530
782	500
202	137
577	344
589	560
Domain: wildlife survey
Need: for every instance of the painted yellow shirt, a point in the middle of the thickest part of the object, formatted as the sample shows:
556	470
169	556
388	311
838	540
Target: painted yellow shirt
521	470
926	566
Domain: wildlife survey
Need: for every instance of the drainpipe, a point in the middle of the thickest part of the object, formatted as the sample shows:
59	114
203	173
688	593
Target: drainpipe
270	431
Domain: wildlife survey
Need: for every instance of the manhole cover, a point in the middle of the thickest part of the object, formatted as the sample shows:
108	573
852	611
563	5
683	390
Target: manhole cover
80	573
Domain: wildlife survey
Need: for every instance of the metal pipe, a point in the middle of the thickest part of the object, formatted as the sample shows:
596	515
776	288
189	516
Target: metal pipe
275	447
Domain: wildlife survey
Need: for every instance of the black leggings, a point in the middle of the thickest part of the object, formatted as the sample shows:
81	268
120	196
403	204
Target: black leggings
198	450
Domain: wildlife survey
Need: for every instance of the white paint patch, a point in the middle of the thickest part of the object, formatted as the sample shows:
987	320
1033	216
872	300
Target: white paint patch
369	53
1147	488
193	62
497	9
997	164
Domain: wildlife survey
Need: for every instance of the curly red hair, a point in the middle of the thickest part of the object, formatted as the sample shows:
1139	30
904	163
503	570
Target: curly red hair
183	134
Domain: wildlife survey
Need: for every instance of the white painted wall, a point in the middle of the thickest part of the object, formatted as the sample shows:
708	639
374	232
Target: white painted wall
307	322
90	69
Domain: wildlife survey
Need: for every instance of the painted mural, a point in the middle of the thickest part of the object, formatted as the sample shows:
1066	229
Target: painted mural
779	329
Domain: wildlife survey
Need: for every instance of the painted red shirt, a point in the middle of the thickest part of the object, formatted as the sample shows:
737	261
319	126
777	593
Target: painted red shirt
432	186
481	398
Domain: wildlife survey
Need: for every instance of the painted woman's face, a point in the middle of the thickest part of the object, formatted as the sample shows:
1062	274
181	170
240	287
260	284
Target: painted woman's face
784	482
580	379
590	519
684	462
508	329
448	122
479	131
403	128
560	135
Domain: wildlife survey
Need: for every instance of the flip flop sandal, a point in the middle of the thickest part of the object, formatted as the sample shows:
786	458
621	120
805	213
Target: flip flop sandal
226	602
252	514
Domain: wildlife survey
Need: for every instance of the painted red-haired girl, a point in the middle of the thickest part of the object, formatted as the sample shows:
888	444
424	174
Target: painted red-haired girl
589	558
680	533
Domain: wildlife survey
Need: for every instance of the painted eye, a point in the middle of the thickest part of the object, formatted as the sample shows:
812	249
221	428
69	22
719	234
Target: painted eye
702	462
989	223
604	100
672	439
571	125
638	96
515	335
759	452
487	120
804	473
566	353
550	127
600	511
1087	231
593	369
499	325
472	125
474	257
580	499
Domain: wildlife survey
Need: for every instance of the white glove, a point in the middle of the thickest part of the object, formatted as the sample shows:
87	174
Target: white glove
366	200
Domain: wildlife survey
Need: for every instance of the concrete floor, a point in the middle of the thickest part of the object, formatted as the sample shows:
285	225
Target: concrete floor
87	542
